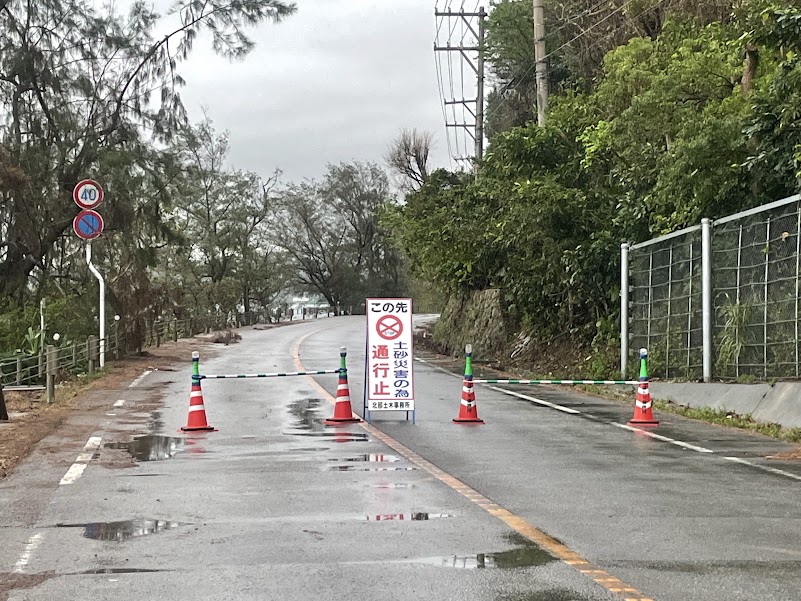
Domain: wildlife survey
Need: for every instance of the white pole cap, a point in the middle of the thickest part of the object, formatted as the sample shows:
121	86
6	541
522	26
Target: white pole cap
468	349
195	355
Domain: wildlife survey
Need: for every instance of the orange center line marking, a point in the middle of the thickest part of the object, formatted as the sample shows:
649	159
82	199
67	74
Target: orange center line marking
516	523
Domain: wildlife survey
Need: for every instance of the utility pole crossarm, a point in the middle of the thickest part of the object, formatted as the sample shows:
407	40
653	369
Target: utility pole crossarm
477	30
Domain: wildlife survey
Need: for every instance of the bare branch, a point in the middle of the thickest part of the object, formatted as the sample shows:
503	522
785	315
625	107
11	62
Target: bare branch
408	157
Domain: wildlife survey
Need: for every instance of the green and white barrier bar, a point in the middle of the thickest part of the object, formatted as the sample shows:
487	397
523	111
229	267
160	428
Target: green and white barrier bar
598	382
269	375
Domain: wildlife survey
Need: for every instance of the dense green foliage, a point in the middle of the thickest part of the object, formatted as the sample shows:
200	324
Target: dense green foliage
698	118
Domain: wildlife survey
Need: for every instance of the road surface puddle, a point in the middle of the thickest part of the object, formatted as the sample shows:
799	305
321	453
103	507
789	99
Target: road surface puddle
119	571
333	436
305	414
412	517
358	468
150	448
371	457
391	485
525	557
122	531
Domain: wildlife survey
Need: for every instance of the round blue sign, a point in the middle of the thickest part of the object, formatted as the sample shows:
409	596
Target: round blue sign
88	224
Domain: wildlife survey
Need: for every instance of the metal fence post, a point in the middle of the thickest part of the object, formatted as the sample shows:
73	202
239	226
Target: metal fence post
90	354
52	367
624	309
74	355
797	289
175	330
3	410
19	370
706	296
765	310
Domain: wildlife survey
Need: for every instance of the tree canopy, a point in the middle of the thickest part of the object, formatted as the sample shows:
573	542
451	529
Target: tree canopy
690	111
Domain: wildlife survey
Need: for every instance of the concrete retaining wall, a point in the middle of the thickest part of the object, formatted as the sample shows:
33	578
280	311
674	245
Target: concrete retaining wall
780	403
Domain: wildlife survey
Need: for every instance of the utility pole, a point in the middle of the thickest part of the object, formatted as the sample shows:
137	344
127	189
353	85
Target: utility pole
476	129
541	65
480	91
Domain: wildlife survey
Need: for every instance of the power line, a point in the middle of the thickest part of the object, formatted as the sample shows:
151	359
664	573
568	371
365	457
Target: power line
593	26
515	81
576	18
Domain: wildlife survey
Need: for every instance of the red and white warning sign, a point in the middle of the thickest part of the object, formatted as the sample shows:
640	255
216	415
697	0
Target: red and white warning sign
390	383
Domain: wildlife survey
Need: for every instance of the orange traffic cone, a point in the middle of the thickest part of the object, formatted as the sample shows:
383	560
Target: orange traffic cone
196	421
643	416
468	413
343	414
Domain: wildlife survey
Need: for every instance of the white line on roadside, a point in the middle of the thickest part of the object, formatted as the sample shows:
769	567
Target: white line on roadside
536	400
76	469
119	403
138	380
30	547
764	468
678	443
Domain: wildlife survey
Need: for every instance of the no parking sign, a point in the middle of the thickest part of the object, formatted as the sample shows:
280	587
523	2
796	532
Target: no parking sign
389	381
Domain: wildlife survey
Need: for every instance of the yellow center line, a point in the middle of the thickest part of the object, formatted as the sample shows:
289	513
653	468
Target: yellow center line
516	523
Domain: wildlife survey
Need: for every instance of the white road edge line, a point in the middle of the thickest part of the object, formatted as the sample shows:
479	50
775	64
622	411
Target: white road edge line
771	470
678	443
138	380
76	469
33	542
536	400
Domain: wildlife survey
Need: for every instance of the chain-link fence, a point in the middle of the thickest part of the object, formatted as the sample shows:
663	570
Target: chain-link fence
753	299
755	281
665	279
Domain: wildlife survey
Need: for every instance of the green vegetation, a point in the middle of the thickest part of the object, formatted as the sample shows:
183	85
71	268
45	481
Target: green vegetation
729	418
691	111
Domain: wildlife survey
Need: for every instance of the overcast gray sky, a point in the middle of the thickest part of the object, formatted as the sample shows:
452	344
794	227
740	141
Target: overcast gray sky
335	82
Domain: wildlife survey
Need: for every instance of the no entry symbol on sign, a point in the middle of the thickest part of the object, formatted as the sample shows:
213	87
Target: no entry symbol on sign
389	327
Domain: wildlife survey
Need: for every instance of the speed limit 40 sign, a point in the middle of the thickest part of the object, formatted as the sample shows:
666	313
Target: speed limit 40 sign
87	194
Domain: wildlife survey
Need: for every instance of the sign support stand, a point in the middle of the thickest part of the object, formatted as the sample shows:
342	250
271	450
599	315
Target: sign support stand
365	408
102	312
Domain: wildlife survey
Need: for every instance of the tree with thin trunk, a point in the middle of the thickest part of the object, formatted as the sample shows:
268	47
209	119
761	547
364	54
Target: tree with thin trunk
407	156
78	82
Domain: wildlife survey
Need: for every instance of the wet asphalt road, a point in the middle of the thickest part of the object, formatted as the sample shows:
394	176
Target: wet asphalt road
276	505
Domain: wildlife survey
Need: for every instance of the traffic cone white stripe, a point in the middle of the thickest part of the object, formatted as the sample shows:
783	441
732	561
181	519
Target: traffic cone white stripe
642	390
197	408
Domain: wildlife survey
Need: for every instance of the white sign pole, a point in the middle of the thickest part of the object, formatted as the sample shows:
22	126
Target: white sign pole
102	311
